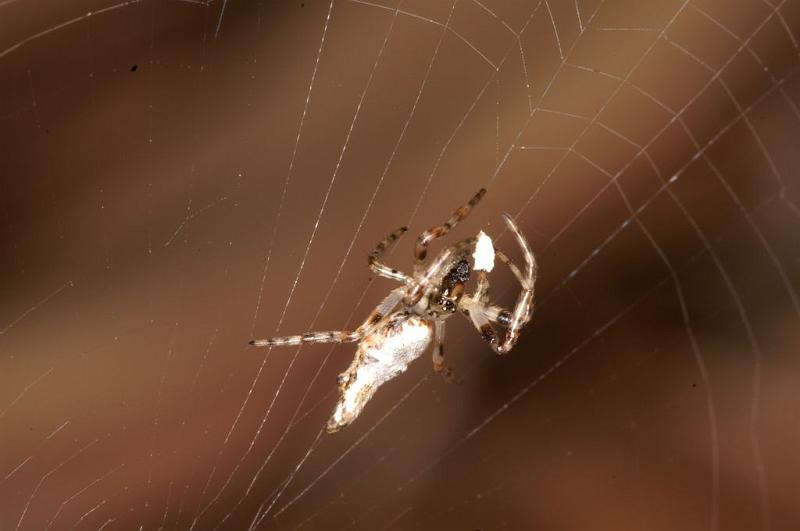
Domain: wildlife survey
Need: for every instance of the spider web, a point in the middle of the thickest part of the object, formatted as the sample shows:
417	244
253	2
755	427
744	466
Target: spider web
182	176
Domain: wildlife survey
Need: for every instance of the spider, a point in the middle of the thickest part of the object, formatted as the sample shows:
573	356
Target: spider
400	328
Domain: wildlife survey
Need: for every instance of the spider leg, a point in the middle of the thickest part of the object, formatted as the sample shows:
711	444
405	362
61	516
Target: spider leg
527	253
378	267
524	306
483	316
479	301
496	314
438	354
331	336
482	292
511	265
421	248
338	336
482	313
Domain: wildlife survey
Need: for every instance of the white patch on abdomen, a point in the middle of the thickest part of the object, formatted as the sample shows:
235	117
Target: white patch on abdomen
381	357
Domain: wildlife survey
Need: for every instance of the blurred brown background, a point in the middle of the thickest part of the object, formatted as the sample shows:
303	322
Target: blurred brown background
179	177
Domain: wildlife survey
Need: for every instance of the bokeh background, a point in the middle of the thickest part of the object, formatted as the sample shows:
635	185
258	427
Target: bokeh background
179	177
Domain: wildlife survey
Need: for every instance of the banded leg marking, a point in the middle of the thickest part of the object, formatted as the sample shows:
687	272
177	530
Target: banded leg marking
338	336
333	336
438	354
424	239
380	268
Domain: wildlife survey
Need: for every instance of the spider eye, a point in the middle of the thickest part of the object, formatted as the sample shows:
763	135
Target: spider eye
448	305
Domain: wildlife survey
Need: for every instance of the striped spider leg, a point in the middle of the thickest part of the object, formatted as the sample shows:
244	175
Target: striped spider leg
378	267
382	310
338	336
424	239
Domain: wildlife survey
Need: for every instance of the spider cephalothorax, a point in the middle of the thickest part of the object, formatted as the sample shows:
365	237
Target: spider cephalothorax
453	286
399	330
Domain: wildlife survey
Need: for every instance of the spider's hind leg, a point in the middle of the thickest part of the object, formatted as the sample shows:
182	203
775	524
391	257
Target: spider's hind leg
333	336
338	336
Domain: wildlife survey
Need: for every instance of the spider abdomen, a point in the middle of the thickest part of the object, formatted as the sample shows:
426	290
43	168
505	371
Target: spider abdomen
382	355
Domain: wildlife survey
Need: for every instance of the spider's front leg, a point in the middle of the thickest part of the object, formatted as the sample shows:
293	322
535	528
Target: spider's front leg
338	336
424	239
483	314
524	306
378	267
